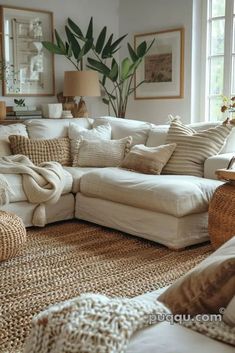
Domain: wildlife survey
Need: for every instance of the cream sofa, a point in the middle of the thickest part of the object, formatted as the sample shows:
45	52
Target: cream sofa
168	209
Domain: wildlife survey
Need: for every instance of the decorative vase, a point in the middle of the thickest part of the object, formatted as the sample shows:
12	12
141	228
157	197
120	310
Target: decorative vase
3	111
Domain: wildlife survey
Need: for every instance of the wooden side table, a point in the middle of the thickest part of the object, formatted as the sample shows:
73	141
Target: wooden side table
221	222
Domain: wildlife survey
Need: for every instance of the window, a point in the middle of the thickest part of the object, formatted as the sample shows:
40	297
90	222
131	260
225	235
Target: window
220	55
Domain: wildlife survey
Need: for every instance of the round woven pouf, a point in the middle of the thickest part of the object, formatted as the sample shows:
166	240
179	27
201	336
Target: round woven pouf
12	235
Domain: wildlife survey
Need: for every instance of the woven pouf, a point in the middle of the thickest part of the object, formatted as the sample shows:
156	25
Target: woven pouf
12	235
221	223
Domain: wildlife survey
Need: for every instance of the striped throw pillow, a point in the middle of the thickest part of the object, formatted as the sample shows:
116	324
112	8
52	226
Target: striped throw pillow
193	148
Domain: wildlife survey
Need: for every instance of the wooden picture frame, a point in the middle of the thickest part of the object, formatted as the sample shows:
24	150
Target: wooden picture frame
162	69
29	67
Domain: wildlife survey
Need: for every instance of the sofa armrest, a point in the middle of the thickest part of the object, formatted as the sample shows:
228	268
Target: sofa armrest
216	162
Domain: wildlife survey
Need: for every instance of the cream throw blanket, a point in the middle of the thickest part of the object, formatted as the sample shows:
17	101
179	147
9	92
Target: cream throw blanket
42	184
90	323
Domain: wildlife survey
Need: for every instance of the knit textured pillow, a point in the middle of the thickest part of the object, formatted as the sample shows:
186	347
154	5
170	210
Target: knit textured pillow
193	148
148	160
101	153
39	151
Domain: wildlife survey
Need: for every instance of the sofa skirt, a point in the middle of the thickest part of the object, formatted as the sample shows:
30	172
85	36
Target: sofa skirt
175	233
62	210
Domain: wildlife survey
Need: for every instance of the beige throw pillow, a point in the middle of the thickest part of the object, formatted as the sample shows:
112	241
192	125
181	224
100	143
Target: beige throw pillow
193	148
207	288
76	132
148	160
39	151
101	153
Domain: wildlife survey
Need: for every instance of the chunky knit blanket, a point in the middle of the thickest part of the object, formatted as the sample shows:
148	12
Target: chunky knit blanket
90	323
42	184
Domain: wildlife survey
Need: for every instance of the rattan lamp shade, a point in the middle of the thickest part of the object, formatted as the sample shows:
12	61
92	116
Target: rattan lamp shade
81	83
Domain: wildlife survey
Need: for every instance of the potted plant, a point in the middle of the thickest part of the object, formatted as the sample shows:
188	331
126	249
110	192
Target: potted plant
116	77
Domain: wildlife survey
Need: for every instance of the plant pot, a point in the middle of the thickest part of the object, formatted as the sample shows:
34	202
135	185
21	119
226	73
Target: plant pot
3	111
19	109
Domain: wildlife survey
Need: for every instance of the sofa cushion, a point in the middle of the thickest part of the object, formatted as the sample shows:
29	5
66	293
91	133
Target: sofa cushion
173	195
101	153
148	160
77	173
53	128
5	132
40	151
76	133
193	148
207	288
15	180
121	128
157	135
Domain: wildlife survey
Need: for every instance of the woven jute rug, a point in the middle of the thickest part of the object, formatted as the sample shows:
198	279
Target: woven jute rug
63	260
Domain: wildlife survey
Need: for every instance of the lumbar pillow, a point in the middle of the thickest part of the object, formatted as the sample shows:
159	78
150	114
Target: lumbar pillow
207	288
193	148
39	151
76	133
148	160
101	153
5	132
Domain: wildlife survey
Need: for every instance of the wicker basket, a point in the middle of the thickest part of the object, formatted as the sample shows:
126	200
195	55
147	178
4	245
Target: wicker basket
221	224
12	235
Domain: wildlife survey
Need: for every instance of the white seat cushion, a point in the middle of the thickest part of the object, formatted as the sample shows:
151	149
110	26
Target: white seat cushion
174	195
15	181
77	173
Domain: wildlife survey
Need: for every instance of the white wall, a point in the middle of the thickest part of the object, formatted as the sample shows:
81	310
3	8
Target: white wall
142	16
104	12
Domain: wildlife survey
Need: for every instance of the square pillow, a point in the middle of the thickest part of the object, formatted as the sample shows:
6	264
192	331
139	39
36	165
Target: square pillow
148	160
207	288
193	148
101	153
5	132
121	128
39	151
76	133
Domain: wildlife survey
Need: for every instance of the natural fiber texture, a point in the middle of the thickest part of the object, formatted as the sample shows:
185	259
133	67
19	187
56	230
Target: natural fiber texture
40	151
222	215
90	323
12	235
61	261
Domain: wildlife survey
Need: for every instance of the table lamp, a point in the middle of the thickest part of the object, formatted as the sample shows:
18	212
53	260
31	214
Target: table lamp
81	83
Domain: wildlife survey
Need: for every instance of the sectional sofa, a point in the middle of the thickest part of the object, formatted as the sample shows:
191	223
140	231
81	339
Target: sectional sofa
168	209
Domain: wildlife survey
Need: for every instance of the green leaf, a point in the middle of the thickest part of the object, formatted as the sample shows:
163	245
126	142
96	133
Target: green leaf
88	46
103	80
89	33
53	48
59	41
69	52
105	101
75	28
106	53
74	43
125	68
98	66
132	53
101	40
113	75
141	49
116	43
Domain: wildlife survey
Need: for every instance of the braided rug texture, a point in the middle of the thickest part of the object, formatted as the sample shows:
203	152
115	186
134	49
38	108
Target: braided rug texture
63	260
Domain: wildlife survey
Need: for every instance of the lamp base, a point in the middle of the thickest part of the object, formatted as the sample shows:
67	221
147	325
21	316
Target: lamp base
80	110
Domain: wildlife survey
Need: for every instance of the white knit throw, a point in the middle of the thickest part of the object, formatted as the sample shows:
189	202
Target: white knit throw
42	184
90	323
5	191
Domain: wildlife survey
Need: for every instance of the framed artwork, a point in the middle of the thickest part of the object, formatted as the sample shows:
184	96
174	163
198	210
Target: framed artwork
28	68
162	70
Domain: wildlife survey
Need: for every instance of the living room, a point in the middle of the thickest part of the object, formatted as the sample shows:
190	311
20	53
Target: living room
117	176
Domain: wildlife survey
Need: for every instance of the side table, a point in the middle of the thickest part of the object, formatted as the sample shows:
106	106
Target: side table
221	222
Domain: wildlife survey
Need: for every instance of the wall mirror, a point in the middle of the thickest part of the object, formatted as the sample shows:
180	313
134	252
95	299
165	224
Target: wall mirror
27	69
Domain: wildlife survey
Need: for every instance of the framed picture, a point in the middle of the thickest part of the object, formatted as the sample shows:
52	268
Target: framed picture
162	70
28	67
